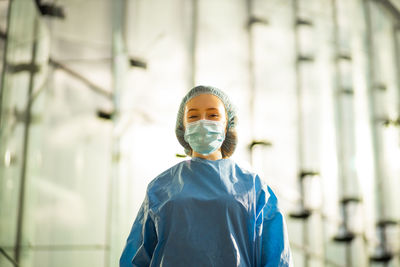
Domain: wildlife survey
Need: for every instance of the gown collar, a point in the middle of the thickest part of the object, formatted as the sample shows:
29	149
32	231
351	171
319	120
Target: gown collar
209	161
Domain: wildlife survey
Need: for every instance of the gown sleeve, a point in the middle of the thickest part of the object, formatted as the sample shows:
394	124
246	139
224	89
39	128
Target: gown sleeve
141	241
273	242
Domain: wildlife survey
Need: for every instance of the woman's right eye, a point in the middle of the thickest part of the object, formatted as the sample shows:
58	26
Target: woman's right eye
192	116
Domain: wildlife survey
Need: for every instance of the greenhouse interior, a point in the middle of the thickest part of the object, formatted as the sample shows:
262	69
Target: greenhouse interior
90	91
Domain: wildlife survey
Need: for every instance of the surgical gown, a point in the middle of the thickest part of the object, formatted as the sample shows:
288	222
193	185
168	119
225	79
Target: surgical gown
208	213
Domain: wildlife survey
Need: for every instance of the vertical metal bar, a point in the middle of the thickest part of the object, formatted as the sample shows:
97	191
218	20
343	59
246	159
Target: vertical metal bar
3	73
376	142
396	31
340	128
2	89
300	125
299	107
348	255
193	43
21	198
372	108
250	47
337	82
118	69
396	44
300	134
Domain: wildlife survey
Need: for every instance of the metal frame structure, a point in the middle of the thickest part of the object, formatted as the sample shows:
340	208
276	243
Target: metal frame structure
303	213
344	135
382	253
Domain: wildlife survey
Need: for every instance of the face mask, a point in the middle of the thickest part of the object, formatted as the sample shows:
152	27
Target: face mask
205	136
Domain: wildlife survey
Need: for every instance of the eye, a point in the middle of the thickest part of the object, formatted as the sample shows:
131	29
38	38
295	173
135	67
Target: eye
192	116
214	115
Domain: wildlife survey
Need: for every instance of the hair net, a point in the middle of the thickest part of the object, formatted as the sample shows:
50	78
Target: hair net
198	90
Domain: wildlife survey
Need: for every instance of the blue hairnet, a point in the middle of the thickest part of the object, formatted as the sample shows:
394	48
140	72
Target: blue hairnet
198	90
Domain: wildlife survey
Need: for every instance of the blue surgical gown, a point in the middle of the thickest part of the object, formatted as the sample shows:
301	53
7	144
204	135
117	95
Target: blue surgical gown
208	213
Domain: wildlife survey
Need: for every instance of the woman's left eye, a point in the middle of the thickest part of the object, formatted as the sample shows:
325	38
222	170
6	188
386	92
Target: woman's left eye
214	115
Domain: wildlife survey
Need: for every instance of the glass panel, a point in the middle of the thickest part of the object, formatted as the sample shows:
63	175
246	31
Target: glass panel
26	58
67	156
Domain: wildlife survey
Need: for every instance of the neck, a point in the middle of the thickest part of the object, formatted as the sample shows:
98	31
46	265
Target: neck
213	156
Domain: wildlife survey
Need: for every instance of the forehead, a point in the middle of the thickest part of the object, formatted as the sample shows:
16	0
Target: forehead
205	101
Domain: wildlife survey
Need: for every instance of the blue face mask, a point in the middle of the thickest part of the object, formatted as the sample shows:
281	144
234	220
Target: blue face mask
205	136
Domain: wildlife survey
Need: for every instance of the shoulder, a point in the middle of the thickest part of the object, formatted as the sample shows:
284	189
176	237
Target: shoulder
260	184
259	181
264	195
166	177
163	185
261	187
244	170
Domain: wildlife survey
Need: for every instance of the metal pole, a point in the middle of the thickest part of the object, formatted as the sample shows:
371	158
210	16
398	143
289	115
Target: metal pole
251	21
396	30
383	255
396	43
250	45
336	95
344	132
372	107
119	67
193	43
80	77
300	126
300	134
5	53
21	199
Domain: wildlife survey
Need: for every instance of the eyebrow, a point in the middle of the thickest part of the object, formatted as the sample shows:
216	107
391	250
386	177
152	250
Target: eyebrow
195	109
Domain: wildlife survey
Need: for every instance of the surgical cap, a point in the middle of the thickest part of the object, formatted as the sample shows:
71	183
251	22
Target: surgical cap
198	90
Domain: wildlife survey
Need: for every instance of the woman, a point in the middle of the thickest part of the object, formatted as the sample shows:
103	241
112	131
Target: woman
207	211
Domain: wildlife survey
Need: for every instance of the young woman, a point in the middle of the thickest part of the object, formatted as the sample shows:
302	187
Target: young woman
207	211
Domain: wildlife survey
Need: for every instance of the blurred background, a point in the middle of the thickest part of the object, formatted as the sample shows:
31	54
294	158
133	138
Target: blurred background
90	91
